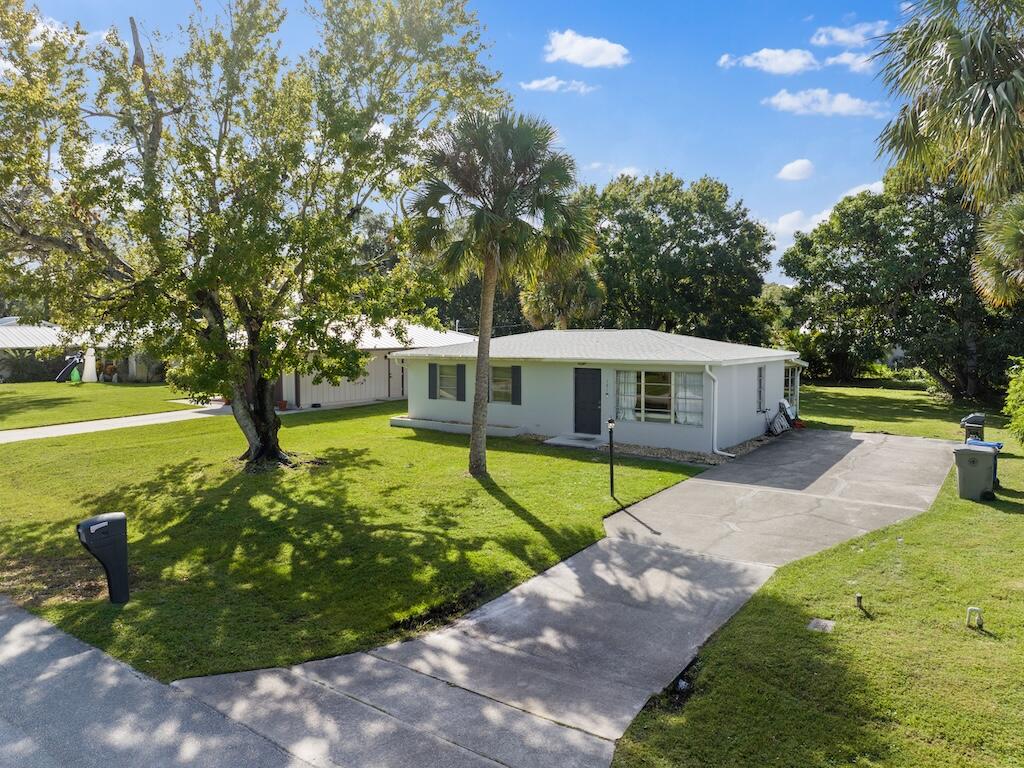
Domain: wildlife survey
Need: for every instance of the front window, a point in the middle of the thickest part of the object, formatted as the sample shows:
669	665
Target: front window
447	382
790	392
690	399
501	384
660	396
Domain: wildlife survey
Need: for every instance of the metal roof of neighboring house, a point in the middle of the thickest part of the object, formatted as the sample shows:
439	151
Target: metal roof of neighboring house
14	335
417	336
612	346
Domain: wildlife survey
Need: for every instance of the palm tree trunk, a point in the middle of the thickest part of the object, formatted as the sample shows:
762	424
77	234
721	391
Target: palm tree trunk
478	431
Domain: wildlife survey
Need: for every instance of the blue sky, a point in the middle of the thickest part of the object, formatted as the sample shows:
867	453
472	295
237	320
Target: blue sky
737	90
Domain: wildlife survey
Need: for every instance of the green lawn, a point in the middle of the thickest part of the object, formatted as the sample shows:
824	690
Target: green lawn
234	571
907	688
38	404
882	408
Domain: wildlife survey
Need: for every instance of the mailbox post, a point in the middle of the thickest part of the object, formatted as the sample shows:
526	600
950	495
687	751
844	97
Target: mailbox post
105	537
611	456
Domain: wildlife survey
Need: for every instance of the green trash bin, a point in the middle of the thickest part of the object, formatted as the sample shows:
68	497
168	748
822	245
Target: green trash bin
975	468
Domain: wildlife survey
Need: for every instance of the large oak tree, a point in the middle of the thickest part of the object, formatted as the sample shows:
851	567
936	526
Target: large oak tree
681	258
202	204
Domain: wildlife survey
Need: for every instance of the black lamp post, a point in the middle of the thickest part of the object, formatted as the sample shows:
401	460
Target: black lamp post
611	456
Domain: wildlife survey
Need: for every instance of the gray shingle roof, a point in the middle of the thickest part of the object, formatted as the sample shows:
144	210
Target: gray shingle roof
607	345
417	336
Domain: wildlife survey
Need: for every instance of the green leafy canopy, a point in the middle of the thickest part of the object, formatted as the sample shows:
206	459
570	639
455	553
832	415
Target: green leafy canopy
207	205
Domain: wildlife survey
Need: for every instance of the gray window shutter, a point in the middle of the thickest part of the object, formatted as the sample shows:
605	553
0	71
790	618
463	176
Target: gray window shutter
432	381
460	382
517	385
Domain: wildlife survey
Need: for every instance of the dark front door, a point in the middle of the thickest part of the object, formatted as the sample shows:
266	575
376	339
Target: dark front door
588	401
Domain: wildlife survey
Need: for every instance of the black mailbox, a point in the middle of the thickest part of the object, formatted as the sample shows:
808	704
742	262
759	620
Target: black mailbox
106	538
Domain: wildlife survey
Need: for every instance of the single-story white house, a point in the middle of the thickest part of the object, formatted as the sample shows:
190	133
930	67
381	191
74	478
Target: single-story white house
384	379
663	390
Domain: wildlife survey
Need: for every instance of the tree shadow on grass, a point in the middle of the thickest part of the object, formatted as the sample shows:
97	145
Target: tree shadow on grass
765	691
11	404
235	571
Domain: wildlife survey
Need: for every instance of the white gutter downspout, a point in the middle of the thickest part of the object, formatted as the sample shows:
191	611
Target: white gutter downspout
714	415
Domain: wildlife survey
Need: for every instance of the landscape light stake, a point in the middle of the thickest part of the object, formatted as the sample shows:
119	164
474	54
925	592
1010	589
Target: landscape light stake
611	456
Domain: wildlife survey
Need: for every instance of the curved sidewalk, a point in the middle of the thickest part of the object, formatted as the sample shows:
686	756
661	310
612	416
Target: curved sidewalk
102	425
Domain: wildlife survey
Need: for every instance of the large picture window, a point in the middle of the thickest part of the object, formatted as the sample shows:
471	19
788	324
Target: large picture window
660	396
501	384
447	382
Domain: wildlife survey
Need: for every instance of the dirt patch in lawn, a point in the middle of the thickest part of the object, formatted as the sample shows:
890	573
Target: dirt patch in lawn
33	581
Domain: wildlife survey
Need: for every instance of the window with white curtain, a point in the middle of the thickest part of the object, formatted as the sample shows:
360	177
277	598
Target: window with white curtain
690	399
660	396
627	387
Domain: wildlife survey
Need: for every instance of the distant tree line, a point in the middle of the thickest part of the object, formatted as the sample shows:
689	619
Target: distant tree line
892	271
667	255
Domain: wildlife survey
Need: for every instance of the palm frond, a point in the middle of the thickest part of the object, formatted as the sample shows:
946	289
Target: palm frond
998	268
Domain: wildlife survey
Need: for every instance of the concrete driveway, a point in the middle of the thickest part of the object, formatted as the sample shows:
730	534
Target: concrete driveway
552	672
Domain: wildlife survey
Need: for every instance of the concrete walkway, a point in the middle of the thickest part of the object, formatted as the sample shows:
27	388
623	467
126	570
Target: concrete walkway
64	703
551	673
102	425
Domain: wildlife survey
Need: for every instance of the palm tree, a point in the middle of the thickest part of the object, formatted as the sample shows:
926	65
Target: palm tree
563	297
960	67
497	202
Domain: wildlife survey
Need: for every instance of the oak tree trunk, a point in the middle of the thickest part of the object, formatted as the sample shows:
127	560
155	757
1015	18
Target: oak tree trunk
259	422
478	431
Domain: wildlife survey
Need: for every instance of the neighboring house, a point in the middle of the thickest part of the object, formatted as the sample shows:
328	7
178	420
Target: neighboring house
384	379
663	390
20	345
37	353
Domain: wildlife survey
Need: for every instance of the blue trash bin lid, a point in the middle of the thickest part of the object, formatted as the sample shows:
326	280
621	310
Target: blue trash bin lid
985	443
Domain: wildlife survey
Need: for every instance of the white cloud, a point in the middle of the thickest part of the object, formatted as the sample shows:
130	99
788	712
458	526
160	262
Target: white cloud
585	51
612	170
855	36
875	188
773	60
788	224
820	101
47	27
855	62
798	170
554	84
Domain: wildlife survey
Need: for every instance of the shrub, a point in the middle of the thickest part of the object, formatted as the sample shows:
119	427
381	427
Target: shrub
1014	407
